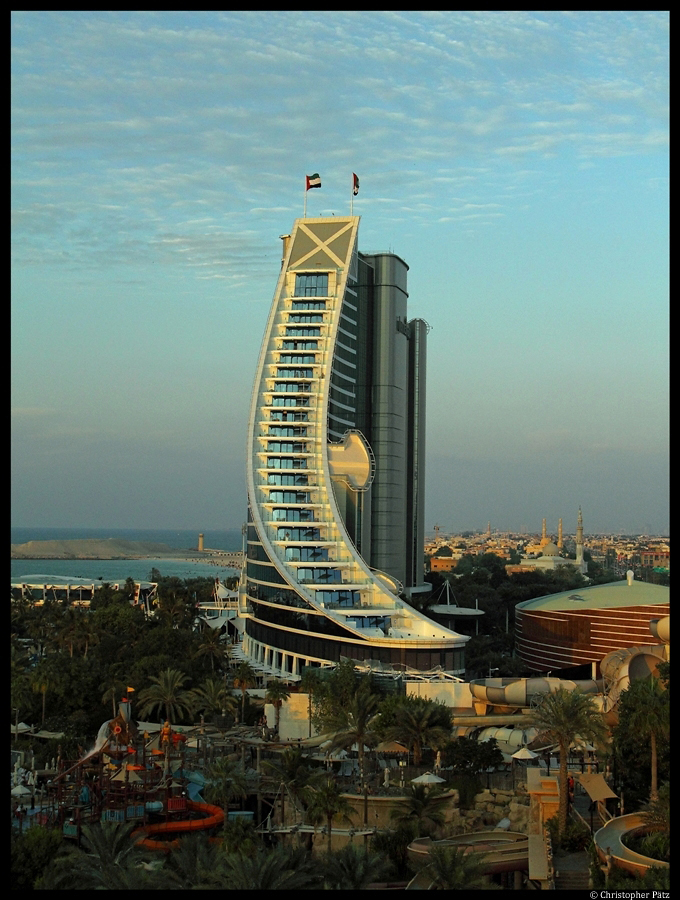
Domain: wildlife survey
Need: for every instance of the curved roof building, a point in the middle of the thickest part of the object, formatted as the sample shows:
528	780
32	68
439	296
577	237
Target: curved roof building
582	626
335	466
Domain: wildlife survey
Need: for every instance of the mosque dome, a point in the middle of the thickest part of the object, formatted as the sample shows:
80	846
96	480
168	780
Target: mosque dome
550	549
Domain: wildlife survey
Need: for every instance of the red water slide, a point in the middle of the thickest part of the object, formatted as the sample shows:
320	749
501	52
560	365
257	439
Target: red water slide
214	816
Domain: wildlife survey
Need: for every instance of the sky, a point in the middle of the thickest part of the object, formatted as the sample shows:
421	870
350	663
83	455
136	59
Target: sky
517	161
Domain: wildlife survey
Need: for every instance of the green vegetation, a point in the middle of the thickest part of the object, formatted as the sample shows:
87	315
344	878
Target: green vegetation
561	718
70	667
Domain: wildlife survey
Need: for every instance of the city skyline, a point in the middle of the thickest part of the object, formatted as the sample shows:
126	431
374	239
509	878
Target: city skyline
517	161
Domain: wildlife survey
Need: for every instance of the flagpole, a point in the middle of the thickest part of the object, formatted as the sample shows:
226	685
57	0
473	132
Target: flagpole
305	212
351	198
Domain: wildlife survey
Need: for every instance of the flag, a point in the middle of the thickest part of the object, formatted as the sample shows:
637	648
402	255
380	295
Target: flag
313	181
130	689
356	183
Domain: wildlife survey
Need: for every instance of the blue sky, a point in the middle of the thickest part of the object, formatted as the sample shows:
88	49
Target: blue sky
517	161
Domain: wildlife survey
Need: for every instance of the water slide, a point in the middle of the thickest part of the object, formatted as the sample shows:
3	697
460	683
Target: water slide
519	692
214	815
608	843
502	851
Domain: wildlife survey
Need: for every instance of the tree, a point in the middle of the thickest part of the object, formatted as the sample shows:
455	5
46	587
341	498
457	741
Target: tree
469	757
113	688
281	869
309	683
211	646
357	723
454	869
213	698
31	854
195	864
227	781
290	769
107	860
423	806
277	694
353	869
645	710
419	724
244	677
393	843
166	694
328	802
560	718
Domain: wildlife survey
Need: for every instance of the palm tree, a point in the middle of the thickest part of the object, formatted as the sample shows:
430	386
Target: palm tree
41	682
195	864
227	781
277	693
357	723
107	860
211	646
68	634
213	698
560	718
646	709
419	726
244	677
328	802
87	632
114	689
353	869
309	682
283	868
424	806
455	869
291	770
166	694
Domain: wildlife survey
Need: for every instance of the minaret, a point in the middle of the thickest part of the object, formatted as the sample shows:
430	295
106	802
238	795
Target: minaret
559	534
544	537
579	538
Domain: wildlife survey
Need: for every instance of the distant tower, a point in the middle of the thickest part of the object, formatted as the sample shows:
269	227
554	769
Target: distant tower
544	536
488	530
200	543
579	538
559	534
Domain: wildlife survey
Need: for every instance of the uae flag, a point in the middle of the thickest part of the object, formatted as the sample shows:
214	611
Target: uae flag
313	181
356	183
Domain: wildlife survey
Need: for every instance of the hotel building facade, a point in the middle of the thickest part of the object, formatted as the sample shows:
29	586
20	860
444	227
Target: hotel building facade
335	466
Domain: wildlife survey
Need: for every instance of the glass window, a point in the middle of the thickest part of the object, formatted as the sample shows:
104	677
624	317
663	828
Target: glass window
285	462
303	332
300	345
306	554
292	515
297	358
287	479
305	317
288	430
294	373
292	387
290	401
297	534
311	285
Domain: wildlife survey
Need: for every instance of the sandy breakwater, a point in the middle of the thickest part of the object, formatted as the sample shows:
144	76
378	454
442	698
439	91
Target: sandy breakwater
111	548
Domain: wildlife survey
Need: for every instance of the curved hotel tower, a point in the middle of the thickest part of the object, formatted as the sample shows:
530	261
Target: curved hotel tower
335	466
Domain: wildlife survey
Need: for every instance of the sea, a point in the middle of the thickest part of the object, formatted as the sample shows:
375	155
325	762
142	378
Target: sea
117	570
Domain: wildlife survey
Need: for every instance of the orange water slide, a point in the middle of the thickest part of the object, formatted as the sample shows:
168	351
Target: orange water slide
214	815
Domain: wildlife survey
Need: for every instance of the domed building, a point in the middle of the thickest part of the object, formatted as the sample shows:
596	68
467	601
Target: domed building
551	557
574	628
